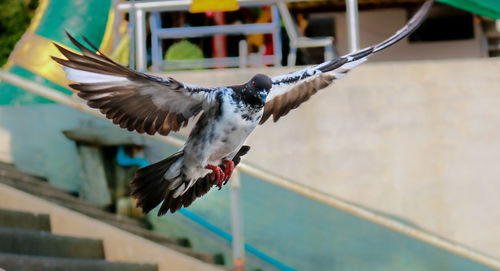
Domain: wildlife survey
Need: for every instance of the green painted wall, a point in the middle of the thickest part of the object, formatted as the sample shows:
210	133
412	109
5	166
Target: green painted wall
77	17
13	95
488	8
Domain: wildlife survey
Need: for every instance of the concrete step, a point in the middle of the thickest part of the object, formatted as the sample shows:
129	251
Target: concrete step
17	262
24	220
41	243
13	177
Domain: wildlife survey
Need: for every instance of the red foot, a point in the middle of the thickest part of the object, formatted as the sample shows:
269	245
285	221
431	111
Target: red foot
216	171
229	166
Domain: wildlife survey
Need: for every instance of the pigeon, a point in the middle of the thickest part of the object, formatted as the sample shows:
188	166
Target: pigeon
227	115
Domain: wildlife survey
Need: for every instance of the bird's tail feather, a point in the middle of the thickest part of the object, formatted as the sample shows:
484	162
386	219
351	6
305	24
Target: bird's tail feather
149	186
164	181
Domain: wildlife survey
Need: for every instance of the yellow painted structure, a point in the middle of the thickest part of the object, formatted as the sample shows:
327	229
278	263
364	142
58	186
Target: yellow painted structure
213	5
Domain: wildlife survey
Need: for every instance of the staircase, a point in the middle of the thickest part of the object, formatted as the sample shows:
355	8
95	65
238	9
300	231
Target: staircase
26	240
26	243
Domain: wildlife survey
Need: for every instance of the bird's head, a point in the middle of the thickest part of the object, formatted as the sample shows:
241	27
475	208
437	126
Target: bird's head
256	90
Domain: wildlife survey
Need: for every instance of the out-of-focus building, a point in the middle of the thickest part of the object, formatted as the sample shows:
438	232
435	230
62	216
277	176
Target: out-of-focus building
448	32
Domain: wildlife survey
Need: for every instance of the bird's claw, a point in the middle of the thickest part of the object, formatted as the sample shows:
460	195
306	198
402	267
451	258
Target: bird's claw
216	172
219	177
228	171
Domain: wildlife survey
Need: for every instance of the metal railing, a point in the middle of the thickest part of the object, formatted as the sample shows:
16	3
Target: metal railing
352	25
159	33
138	12
308	192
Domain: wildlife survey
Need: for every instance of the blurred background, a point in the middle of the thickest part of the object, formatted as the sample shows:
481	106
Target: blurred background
394	167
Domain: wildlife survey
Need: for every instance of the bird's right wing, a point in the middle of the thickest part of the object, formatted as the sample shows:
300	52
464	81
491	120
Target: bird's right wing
291	90
133	100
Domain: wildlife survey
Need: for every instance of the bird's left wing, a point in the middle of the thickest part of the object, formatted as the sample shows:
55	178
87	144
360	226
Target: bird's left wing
134	100
290	90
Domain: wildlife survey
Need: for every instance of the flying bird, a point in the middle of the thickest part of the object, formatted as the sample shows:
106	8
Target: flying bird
150	104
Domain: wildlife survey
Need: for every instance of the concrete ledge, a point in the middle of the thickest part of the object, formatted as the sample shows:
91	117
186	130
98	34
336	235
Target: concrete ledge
119	245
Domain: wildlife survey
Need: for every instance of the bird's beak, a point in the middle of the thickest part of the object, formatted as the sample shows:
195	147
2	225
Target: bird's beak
263	97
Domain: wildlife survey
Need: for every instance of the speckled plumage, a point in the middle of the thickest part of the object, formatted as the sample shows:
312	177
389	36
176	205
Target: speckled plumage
220	131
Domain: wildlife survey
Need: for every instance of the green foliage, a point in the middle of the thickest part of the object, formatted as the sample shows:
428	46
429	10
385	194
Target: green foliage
15	16
184	49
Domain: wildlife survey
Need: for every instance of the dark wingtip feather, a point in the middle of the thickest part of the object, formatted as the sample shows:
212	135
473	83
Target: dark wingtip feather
89	43
80	46
58	60
276	117
75	42
409	28
62	50
97	50
265	116
332	65
415	21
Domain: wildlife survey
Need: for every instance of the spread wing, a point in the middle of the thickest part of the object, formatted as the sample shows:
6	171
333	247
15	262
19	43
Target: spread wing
133	100
291	90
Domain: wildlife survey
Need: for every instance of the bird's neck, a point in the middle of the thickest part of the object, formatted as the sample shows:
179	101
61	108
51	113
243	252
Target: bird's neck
236	105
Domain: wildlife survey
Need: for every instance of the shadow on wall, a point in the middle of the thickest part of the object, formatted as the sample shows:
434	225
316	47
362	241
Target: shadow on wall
38	146
32	139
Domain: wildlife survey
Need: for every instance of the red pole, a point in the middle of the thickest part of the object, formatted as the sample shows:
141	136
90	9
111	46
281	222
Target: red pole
219	44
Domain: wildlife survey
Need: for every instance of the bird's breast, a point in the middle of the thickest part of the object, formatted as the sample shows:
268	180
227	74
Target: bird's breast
219	133
235	124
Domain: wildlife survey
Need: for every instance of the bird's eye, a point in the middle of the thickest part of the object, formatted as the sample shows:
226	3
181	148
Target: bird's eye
254	84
